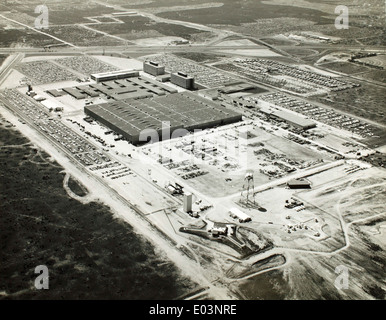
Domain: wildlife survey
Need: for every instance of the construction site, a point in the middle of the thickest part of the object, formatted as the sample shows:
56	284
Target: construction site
228	167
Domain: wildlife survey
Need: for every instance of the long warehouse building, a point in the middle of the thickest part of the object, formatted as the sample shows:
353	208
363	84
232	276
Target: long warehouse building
294	120
114	75
131	117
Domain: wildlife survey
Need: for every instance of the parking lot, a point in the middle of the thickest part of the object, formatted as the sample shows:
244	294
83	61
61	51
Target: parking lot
291	78
82	150
324	115
204	76
39	72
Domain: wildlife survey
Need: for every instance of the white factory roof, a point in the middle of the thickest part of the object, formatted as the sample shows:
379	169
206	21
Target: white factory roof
51	104
300	121
110	73
240	214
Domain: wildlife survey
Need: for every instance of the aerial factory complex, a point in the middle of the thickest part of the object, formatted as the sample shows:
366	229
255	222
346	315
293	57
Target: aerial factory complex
178	156
182	110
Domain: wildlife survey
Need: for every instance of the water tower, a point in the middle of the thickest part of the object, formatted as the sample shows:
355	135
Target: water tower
248	191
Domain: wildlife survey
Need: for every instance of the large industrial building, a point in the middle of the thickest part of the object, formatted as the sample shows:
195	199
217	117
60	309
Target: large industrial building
119	89
185	110
74	93
294	120
182	80
153	68
237	87
114	75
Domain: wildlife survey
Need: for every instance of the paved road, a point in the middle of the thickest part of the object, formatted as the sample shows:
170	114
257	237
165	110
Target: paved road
176	48
8	65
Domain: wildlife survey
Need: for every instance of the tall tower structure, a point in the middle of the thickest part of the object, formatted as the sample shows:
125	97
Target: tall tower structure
248	192
188	199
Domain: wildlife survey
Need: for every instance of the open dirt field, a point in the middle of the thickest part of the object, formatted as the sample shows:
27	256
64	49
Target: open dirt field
360	248
139	27
225	163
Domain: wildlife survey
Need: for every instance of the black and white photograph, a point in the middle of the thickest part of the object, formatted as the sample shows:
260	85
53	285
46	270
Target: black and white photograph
196	152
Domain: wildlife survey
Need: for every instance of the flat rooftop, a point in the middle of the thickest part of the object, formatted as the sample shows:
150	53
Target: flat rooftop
294	119
121	89
238	87
113	73
182	110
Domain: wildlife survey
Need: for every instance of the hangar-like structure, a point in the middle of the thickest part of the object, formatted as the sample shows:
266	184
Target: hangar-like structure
185	110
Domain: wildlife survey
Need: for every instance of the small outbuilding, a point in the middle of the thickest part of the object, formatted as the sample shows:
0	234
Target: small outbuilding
299	184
